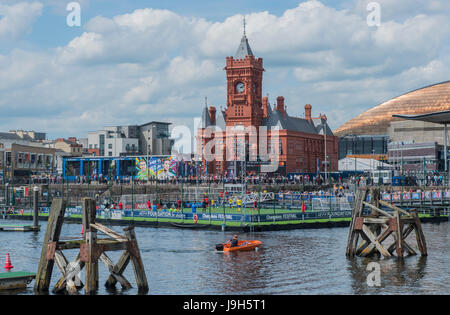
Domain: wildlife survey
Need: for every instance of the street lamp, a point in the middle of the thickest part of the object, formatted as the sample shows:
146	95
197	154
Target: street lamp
148	150
6	194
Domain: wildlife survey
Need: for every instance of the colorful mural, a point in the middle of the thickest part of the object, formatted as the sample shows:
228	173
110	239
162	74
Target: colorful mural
161	168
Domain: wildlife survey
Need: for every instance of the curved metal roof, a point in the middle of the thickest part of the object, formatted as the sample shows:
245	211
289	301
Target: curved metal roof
436	117
429	99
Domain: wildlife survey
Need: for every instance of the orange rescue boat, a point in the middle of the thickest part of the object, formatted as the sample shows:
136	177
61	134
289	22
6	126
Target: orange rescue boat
242	246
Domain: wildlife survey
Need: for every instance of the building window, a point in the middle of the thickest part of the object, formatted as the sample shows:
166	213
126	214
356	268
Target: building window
110	146
109	153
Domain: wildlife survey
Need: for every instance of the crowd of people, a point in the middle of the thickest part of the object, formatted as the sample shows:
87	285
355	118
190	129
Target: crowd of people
318	180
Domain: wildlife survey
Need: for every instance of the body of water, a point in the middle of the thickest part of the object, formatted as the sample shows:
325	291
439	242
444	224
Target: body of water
289	262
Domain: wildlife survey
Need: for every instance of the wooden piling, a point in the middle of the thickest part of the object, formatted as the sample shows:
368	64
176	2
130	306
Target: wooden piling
91	250
35	207
380	224
51	237
353	235
88	218
136	260
119	268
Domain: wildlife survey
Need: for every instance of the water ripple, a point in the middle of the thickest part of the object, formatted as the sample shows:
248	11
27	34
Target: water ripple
289	262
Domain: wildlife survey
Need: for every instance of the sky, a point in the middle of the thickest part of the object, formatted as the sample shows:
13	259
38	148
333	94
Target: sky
135	61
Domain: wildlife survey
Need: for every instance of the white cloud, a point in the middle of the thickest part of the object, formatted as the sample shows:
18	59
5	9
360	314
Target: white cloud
189	71
158	65
86	47
17	19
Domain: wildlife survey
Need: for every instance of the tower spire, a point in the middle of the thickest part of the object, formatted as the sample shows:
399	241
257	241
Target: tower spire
244	48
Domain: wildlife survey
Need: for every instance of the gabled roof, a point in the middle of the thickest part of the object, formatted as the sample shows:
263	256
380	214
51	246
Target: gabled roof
244	49
220	120
13	136
286	122
321	126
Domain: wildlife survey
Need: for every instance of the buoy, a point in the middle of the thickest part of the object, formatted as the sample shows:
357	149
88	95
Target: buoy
82	232
8	265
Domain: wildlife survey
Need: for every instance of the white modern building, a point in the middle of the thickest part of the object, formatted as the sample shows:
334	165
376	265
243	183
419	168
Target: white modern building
114	141
152	138
155	138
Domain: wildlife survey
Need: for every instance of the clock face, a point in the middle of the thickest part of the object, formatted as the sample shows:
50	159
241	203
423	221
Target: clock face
240	87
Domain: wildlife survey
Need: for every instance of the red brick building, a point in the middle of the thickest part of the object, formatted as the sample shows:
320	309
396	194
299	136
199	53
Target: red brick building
232	141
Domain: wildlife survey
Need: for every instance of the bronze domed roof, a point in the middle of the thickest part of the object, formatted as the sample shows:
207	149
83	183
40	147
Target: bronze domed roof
376	120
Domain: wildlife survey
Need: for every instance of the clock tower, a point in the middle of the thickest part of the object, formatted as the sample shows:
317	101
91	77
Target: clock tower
244	87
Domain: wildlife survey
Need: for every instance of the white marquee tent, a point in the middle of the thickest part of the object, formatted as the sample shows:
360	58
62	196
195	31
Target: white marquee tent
362	165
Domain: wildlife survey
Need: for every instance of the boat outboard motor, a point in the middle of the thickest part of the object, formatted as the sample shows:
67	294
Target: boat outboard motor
219	246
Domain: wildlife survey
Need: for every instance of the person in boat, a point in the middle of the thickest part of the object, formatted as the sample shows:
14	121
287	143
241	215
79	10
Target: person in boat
234	241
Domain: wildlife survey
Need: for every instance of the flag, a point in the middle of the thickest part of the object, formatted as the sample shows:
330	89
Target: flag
318	166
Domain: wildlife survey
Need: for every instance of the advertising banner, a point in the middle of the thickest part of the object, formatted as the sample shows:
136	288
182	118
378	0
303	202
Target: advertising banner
156	167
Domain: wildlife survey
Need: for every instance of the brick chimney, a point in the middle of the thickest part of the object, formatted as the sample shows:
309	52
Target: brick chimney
265	106
280	105
308	112
212	114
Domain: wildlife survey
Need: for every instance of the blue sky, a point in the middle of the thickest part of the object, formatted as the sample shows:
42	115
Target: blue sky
48	33
136	61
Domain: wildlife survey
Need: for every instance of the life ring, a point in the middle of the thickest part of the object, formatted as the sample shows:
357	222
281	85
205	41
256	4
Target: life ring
195	218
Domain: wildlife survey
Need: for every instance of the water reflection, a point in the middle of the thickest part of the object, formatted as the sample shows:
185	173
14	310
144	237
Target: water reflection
394	272
239	271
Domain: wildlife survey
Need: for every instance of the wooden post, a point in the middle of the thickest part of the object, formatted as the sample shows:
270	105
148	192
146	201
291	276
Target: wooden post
119	268
91	283
35	207
114	270
77	265
89	214
399	238
420	237
358	208
63	264
136	260
54	225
